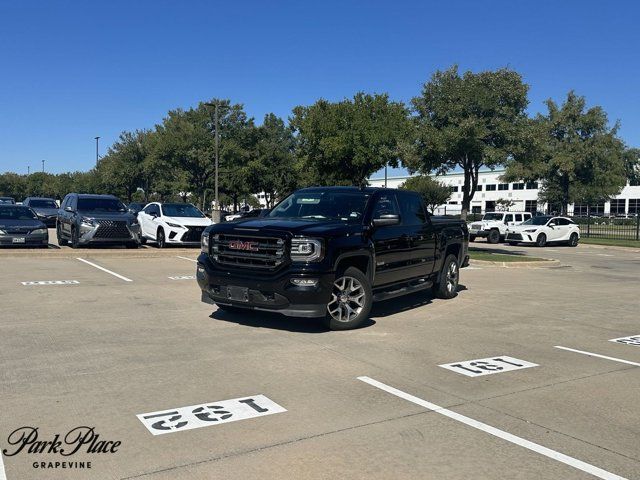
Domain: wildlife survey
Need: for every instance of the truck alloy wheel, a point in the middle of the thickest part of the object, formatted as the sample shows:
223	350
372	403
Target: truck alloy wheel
350	301
451	277
494	236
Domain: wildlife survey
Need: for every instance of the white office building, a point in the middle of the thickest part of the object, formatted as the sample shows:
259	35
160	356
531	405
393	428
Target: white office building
523	195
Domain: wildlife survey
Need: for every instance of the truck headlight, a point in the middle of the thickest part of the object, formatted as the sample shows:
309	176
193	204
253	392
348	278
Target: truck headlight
87	222
205	243
306	249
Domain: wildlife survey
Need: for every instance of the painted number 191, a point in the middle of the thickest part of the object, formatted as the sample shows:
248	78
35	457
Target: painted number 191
487	366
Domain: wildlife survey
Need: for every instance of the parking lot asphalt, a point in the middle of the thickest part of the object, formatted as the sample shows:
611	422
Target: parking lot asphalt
104	339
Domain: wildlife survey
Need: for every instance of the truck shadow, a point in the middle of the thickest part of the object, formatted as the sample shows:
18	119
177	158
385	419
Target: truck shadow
407	302
275	321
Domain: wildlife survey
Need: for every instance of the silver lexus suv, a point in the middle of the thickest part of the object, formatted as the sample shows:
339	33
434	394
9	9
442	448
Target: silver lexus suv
96	219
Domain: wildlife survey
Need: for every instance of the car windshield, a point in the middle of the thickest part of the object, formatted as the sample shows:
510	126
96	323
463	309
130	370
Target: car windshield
330	205
42	204
17	213
100	205
492	216
7	201
537	221
181	210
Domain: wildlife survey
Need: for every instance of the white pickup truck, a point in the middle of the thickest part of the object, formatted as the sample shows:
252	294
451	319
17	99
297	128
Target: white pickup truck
493	225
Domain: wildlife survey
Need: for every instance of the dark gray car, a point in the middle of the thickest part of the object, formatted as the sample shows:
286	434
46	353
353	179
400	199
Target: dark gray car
19	226
96	219
7	201
45	208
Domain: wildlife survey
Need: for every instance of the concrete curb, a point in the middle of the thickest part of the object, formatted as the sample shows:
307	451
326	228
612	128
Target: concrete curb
546	263
612	247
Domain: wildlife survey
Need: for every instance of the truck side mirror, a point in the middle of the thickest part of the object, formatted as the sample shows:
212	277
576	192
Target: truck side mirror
386	220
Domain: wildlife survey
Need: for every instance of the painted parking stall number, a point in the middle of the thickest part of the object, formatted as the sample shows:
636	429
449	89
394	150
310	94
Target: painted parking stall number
633	340
208	414
488	366
51	282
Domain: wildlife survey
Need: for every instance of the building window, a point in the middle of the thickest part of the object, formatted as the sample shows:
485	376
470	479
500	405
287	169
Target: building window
634	206
479	188
490	206
532	186
597	209
503	186
580	210
491	187
518	186
453	188
618	206
531	206
476	209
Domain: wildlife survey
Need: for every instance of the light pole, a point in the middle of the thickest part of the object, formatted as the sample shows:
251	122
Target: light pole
28	170
42	166
216	107
97	155
385	175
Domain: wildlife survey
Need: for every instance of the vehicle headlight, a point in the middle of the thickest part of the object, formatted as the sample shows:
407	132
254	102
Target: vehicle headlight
174	225
205	242
531	230
39	231
2	232
87	222
306	249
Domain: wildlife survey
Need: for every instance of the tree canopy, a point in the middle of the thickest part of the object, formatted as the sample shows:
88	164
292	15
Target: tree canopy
433	192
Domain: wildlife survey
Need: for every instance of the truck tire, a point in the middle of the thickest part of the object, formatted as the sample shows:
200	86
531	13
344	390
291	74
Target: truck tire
75	241
449	276
494	236
472	238
350	302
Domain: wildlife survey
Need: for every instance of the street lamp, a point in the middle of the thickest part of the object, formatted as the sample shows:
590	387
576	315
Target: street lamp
216	107
97	156
42	166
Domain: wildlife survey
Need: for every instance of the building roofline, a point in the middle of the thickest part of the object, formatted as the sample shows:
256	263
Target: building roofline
399	177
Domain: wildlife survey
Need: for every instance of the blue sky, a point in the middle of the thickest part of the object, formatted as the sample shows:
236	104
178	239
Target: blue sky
72	70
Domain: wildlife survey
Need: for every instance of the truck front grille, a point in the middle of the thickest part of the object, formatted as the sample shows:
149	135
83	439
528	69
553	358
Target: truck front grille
248	252
112	229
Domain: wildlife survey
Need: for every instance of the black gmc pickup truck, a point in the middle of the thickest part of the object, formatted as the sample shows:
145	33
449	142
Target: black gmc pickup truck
330	252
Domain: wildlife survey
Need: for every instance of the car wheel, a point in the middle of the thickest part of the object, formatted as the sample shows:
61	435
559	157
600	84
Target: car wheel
61	241
573	240
449	278
472	238
350	302
494	236
160	240
541	241
75	241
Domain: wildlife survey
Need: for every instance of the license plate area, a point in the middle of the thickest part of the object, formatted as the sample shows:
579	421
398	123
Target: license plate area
18	240
238	294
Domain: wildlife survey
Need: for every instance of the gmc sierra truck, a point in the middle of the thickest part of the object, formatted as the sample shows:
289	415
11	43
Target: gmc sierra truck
330	252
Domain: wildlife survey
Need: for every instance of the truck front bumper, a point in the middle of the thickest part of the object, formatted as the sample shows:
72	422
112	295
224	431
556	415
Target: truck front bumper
479	233
267	292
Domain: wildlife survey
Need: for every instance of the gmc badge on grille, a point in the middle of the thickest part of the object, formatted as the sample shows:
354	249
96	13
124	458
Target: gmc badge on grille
240	245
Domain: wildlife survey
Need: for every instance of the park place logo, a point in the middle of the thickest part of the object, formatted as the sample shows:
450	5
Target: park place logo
77	441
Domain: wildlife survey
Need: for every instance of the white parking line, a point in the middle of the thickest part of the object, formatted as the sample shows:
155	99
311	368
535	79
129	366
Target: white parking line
604	254
599	356
3	475
187	258
104	270
547	452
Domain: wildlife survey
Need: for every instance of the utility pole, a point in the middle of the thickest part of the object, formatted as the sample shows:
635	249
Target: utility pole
42	166
216	121
97	155
28	170
385	175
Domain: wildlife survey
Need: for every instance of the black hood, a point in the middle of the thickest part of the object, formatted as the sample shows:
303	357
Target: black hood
12	224
45	211
294	226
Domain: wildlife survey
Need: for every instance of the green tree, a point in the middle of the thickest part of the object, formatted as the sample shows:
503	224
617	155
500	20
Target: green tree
578	157
272	169
343	143
468	121
632	165
433	192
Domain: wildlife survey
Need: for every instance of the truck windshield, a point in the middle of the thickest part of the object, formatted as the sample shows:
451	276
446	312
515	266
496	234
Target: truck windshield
100	205
181	210
330	205
492	216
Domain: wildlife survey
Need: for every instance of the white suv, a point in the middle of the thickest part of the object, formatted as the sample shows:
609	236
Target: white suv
493	225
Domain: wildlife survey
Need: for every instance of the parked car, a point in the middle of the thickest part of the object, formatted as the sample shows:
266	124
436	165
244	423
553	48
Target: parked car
7	201
330	252
96	219
544	230
135	207
256	212
19	225
172	223
45	208
493	225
